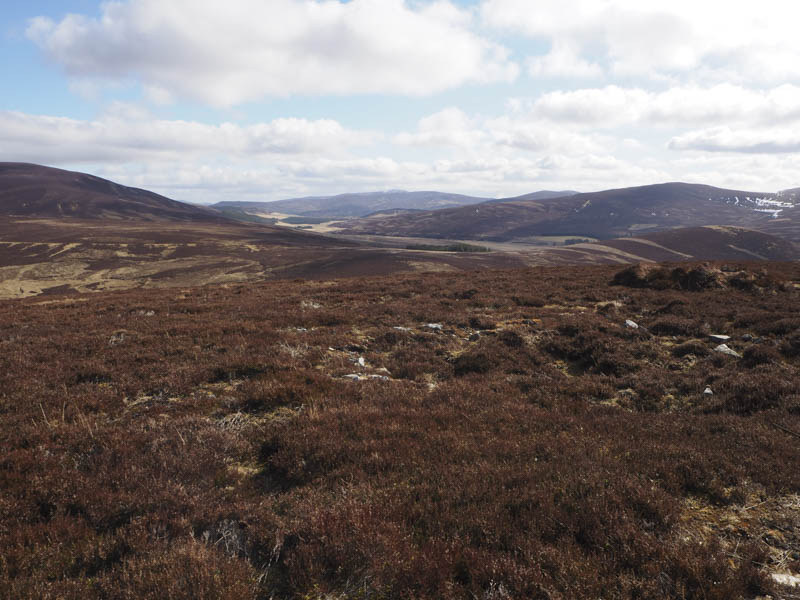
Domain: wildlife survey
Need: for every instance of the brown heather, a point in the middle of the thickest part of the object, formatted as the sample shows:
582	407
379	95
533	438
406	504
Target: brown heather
203	443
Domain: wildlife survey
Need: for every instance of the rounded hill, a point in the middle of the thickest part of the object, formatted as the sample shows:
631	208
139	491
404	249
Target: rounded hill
28	190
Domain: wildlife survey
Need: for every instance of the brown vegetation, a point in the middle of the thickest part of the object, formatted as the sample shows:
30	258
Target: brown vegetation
492	435
606	214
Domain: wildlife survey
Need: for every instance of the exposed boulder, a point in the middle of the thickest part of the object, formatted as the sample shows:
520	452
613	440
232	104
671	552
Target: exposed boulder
725	349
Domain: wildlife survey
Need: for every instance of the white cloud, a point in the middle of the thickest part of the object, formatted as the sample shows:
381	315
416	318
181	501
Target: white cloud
711	40
612	106
447	127
459	133
253	49
724	139
563	61
126	133
609	106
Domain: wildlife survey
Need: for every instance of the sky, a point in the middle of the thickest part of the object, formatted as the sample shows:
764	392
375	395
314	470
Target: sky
205	101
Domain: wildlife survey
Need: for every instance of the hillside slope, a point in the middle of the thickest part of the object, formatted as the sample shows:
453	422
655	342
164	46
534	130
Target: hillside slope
606	214
490	435
356	205
29	190
713	242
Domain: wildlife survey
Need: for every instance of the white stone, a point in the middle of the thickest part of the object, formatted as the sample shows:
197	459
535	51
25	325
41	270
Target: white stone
708	392
724	349
631	324
786	579
720	338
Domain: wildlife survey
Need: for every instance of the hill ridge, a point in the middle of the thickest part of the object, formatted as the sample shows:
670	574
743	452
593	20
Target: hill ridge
31	190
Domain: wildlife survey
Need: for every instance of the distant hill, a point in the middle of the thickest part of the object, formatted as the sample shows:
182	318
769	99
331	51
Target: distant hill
607	214
540	195
356	205
694	243
29	190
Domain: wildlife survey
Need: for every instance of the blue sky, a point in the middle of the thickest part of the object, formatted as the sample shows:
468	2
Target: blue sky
268	99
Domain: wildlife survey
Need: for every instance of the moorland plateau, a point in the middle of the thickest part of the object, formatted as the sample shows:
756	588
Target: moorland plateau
240	409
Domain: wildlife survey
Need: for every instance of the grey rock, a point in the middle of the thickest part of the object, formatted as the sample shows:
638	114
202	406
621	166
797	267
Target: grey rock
708	391
715	337
434	326
475	337
724	349
747	337
352	376
631	324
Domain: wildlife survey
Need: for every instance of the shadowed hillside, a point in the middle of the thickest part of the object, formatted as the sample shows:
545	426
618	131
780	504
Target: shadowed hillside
37	191
693	243
355	205
607	214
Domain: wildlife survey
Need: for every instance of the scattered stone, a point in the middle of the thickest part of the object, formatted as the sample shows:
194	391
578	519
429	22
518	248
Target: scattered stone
786	579
301	329
708	391
724	349
475	337
631	324
309	304
402	328
747	337
434	326
116	339
373	376
361	362
715	337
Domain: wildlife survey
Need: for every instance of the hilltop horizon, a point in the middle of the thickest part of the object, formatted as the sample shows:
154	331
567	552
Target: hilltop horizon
488	98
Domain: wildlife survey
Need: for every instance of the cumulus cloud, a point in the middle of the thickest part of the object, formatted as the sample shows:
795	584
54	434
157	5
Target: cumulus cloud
612	106
755	42
563	61
724	139
447	127
126	133
458	132
255	48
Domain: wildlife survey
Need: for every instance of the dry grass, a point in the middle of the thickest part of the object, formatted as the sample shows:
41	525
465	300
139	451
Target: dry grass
205	443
